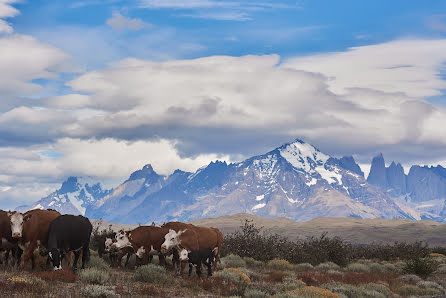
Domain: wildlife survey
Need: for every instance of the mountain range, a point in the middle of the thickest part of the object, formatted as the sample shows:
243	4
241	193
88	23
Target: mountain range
295	181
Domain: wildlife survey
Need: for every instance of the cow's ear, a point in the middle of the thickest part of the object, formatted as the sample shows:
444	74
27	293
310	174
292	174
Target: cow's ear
215	250
9	213
26	217
181	232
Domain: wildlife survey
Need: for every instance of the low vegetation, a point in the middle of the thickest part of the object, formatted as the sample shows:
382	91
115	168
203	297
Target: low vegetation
243	272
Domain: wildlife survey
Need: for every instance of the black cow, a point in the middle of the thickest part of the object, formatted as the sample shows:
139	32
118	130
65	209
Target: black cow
69	233
201	256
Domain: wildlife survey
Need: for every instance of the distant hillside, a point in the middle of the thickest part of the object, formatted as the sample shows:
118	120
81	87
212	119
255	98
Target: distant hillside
354	230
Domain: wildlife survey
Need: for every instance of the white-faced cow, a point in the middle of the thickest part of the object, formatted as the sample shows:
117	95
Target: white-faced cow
31	229
69	233
190	237
7	243
145	241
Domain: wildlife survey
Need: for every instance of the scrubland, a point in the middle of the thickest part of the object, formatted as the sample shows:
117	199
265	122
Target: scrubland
255	265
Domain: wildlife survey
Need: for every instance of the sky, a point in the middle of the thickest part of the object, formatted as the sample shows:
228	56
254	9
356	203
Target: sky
99	88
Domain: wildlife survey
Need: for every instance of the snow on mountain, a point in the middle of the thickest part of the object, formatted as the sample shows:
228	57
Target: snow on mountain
75	196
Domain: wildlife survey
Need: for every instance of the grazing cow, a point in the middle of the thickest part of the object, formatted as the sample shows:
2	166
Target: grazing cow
190	237
69	233
196	258
7	243
31	229
144	240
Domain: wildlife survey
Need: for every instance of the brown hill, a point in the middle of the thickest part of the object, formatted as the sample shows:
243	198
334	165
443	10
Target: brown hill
357	231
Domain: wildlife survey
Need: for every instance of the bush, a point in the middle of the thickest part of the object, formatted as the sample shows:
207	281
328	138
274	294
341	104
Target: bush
250	262
441	269
327	266
378	288
233	261
410	290
97	262
357	267
233	275
344	289
420	266
94	276
98	291
310	292
410	279
430	285
303	267
152	273
254	293
279	264
388	267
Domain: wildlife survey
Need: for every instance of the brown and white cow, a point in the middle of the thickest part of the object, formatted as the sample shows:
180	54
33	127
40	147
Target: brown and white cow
187	237
31	228
7	243
146	241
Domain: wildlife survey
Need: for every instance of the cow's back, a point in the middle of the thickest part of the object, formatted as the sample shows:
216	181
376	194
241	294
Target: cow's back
70	230
148	236
38	225
205	237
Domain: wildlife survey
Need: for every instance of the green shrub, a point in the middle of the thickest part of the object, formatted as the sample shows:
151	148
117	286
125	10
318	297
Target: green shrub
97	262
441	269
376	267
303	267
152	273
344	289
383	290
98	291
233	261
410	279
327	266
388	267
94	275
430	285
250	262
410	290
357	267
279	264
233	275
420	266
254	293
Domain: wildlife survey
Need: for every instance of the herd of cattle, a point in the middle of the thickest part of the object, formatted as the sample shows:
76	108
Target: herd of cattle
56	235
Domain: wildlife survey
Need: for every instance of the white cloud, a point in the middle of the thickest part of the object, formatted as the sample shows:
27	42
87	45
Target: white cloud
221	16
408	66
120	23
108	161
7	11
23	59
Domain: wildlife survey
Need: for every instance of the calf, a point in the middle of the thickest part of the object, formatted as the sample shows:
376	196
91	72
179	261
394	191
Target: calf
196	258
69	233
7	243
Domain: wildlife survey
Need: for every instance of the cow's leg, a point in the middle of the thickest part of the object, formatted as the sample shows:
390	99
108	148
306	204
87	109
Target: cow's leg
85	255
162	260
198	269
127	260
150	258
209	265
17	256
29	254
190	268
76	258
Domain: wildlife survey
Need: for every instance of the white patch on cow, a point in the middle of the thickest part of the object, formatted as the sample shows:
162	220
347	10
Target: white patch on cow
184	255
122	240
51	255
215	251
172	239
140	252
16	224
57	267
108	244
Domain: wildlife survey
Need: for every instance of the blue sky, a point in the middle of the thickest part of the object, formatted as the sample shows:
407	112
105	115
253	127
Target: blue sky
100	88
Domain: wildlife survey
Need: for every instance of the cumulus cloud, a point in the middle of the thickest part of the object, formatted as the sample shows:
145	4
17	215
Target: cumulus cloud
120	23
408	66
24	59
109	161
7	11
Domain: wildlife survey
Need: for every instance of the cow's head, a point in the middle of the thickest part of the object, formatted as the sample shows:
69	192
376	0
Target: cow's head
171	239
55	257
17	220
184	254
122	240
108	243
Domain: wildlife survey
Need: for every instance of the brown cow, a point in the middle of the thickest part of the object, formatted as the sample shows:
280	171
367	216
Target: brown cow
31	229
145	241
7	243
190	237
